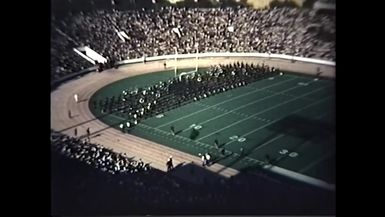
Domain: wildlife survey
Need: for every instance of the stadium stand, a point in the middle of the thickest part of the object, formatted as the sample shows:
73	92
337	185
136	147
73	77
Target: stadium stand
154	32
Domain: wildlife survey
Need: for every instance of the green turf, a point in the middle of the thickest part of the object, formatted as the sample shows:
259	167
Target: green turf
290	112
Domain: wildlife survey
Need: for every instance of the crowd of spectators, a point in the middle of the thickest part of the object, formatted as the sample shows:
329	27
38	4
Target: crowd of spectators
96	155
155	192
154	32
64	60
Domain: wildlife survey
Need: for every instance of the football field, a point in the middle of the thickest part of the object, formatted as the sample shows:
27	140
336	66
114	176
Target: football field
288	119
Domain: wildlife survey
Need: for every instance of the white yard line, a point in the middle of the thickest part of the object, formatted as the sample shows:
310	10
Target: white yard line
228	100
285	102
275	169
252	102
268	142
316	162
226	110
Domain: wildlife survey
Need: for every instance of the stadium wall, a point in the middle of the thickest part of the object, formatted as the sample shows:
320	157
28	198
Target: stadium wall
314	65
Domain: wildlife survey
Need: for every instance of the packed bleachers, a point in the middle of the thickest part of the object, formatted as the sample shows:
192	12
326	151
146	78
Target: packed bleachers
64	60
96	155
79	189
154	32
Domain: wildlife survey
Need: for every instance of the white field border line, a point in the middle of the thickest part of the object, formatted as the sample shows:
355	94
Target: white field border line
255	91
188	140
253	102
300	177
263	111
145	126
184	139
316	162
168	133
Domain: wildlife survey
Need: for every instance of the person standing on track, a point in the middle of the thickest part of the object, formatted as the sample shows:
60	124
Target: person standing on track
169	164
121	126
76	97
69	114
88	134
203	158
208	157
76	132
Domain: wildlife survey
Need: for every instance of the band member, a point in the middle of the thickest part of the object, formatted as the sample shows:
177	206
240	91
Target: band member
216	143
172	130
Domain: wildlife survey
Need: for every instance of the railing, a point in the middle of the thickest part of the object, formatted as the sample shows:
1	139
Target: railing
202	55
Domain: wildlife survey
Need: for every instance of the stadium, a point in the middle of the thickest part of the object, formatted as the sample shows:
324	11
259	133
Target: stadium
194	107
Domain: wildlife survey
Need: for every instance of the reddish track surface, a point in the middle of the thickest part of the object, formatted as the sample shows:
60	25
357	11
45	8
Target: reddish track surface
62	100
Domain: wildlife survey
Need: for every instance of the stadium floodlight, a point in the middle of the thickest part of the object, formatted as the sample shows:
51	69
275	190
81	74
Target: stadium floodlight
195	1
